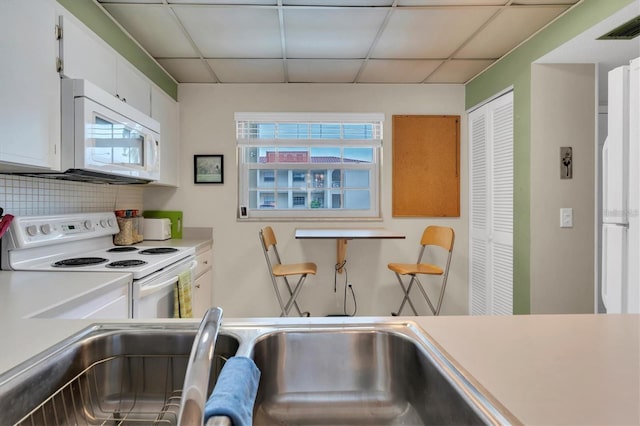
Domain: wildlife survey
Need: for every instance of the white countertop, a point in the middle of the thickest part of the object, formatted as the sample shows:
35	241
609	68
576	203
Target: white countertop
200	238
23	294
554	369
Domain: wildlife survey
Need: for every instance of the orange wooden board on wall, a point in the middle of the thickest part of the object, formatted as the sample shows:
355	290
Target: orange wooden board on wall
426	166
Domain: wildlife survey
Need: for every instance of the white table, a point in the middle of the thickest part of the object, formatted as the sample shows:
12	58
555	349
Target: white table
342	235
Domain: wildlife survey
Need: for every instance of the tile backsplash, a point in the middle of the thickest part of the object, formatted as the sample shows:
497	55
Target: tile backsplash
27	196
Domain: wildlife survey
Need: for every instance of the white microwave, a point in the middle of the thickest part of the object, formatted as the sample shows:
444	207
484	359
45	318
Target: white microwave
104	139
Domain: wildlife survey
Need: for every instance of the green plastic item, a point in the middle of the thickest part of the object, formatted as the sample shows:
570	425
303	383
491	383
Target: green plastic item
174	216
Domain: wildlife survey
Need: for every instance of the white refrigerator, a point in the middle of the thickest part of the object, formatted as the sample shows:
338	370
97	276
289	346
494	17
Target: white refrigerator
621	193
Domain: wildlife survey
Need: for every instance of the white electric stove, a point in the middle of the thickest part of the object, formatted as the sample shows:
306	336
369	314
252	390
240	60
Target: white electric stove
84	242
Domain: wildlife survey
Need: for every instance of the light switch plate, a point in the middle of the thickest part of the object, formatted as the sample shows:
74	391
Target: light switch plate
566	217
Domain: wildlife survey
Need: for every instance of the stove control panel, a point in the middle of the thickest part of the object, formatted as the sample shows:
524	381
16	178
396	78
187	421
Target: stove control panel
34	231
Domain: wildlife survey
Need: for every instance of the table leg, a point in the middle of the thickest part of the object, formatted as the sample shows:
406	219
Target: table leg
342	253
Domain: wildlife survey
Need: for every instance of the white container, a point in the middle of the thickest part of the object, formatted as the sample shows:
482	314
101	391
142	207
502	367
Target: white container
157	229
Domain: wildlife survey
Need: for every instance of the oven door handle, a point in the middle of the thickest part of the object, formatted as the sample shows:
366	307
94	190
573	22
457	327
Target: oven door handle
146	290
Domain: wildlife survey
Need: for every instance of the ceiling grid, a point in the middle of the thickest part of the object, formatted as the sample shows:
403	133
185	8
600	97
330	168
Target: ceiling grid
331	41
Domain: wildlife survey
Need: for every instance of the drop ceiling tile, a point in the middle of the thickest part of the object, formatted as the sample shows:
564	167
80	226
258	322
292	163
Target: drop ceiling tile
225	2
341	3
452	2
331	33
153	27
248	70
131	1
458	71
545	2
429	33
397	71
233	32
507	30
187	70
322	70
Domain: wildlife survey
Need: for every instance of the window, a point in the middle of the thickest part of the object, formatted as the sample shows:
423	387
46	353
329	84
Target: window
312	165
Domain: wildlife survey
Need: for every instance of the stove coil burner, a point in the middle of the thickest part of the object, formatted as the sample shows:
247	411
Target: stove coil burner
79	261
122	249
159	250
126	263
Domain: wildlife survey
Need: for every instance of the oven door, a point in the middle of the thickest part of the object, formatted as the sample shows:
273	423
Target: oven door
153	296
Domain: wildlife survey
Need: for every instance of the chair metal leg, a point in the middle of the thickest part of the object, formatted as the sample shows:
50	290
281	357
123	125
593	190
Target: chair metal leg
294	295
434	310
285	308
280	302
406	298
424	293
295	303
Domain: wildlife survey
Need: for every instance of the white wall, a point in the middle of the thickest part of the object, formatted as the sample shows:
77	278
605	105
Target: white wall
241	282
563	113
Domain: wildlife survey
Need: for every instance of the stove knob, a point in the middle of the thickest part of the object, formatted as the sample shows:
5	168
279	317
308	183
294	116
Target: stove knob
32	230
103	223
45	229
88	224
111	223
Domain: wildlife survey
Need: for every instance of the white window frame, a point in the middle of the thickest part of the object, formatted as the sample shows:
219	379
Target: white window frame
244	140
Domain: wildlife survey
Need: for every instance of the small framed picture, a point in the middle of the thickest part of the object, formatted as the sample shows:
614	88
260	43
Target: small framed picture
208	169
243	212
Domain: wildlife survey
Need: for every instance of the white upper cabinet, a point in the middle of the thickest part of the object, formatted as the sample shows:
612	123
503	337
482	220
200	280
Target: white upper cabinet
30	86
133	87
165	110
85	55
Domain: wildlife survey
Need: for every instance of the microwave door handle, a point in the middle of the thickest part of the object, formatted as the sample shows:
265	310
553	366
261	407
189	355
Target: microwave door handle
155	150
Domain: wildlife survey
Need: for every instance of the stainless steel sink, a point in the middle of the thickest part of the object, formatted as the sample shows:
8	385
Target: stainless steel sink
387	373
385	376
106	375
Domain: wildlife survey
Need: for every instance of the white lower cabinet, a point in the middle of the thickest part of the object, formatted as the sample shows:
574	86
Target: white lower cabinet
203	284
30	86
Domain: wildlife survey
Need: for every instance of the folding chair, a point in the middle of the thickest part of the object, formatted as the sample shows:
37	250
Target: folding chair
278	269
438	236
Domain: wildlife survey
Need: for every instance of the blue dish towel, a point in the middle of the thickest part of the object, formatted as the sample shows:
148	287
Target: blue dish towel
235	391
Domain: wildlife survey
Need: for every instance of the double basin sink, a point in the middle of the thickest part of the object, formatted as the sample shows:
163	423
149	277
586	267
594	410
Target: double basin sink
369	374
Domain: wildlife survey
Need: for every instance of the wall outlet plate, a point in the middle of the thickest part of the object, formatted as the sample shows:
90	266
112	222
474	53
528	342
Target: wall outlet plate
566	217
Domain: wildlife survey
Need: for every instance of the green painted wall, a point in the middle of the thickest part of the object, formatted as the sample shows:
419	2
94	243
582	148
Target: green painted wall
515	70
93	17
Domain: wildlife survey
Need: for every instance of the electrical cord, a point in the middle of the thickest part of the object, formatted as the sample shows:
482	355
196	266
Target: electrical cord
335	274
355	303
346	285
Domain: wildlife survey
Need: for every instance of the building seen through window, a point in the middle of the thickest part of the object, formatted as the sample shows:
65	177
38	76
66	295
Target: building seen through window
309	168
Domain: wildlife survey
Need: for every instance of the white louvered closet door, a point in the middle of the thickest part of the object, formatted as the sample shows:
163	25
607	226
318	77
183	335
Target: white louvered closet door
491	199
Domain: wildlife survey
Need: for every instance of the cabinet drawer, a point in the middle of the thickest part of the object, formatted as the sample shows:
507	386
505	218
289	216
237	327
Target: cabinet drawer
205	262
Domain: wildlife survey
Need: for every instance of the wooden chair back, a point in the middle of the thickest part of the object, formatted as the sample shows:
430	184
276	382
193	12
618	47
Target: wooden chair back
268	238
442	236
